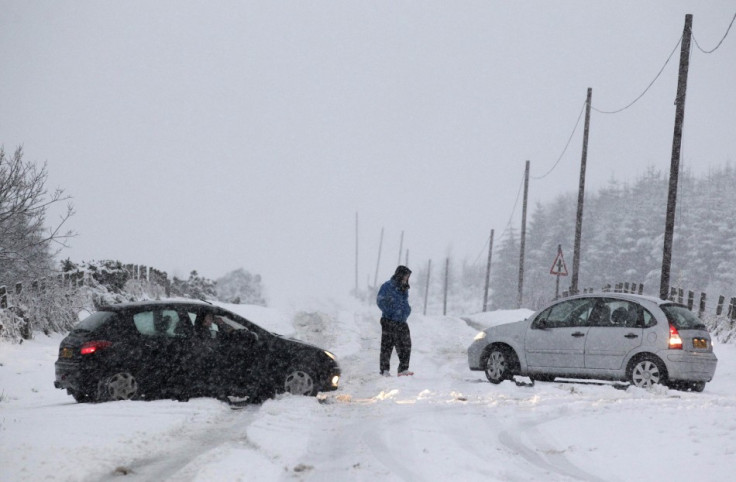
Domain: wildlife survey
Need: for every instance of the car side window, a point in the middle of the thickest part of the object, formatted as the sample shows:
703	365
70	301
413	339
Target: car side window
565	314
143	322
167	323
620	313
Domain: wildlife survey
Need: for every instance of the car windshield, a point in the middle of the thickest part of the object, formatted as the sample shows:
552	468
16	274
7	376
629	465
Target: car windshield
94	321
682	318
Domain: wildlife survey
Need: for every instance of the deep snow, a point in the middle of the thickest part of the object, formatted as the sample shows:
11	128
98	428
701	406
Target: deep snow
444	423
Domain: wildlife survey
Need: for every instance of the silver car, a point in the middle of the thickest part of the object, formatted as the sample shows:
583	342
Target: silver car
606	336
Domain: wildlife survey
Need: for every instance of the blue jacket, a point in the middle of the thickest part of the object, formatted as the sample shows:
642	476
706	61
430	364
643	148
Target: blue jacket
393	302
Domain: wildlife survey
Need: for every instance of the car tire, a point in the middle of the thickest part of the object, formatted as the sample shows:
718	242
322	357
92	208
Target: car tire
500	364
119	386
299	381
647	371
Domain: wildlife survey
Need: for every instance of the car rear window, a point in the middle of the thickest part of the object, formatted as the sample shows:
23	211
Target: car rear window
94	321
682	318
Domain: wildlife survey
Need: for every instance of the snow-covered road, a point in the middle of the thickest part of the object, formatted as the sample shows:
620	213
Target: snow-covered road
444	423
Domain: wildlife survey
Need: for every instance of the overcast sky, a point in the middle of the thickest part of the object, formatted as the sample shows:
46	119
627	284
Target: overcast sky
217	135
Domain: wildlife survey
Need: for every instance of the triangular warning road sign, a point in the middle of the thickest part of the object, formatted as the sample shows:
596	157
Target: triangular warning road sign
559	267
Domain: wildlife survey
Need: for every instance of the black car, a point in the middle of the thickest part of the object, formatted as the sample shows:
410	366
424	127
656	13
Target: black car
183	349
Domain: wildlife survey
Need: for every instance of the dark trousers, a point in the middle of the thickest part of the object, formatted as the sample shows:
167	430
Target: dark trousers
395	335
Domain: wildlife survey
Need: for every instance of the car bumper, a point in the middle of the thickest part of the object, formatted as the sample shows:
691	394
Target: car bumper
696	367
72	377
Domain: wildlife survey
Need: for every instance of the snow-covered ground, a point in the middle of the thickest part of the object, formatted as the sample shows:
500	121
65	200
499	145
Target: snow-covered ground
445	423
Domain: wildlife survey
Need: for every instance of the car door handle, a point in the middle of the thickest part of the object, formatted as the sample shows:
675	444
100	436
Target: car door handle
631	335
577	334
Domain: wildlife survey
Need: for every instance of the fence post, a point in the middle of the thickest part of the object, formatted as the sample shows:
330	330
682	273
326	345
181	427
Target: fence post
701	309
732	309
641	288
719	309
680	295
426	288
447	277
3	297
690	300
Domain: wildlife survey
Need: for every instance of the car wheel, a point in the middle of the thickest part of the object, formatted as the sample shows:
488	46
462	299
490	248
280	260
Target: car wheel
299	382
120	386
499	364
646	372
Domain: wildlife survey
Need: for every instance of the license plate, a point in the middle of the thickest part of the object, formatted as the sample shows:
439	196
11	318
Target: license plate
67	353
700	343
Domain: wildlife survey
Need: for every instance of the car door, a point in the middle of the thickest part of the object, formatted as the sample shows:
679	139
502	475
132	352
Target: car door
162	347
556	337
240	352
227	355
616	329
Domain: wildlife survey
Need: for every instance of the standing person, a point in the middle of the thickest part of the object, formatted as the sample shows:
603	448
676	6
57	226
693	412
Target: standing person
393	300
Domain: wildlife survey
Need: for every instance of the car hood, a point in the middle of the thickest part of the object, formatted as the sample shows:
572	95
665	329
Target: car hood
300	343
508	328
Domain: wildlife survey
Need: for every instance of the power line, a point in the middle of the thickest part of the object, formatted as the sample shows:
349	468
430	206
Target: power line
645	90
566	146
719	43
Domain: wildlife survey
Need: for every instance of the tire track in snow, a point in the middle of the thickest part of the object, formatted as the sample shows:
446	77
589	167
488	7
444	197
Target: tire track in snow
182	446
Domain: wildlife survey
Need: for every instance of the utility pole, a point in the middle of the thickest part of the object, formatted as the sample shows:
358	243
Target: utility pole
356	253
669	225
447	277
488	272
426	288
581	197
378	263
401	247
523	235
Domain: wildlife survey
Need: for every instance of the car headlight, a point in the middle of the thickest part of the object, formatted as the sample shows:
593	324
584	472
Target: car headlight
330	355
480	336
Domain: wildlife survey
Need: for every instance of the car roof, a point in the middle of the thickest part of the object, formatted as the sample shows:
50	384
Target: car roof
622	296
154	304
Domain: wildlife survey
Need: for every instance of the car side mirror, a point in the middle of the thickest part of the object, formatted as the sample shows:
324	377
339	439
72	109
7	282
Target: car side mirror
540	324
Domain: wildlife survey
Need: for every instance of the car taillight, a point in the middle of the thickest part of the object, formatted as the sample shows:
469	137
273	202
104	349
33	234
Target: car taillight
675	342
94	346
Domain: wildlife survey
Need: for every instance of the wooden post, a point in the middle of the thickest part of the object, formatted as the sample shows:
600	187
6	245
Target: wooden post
690	300
378	262
732	309
673	294
581	197
719	308
669	225
523	236
3	297
401	247
701	308
641	288
488	273
426	288
680	294
447	277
